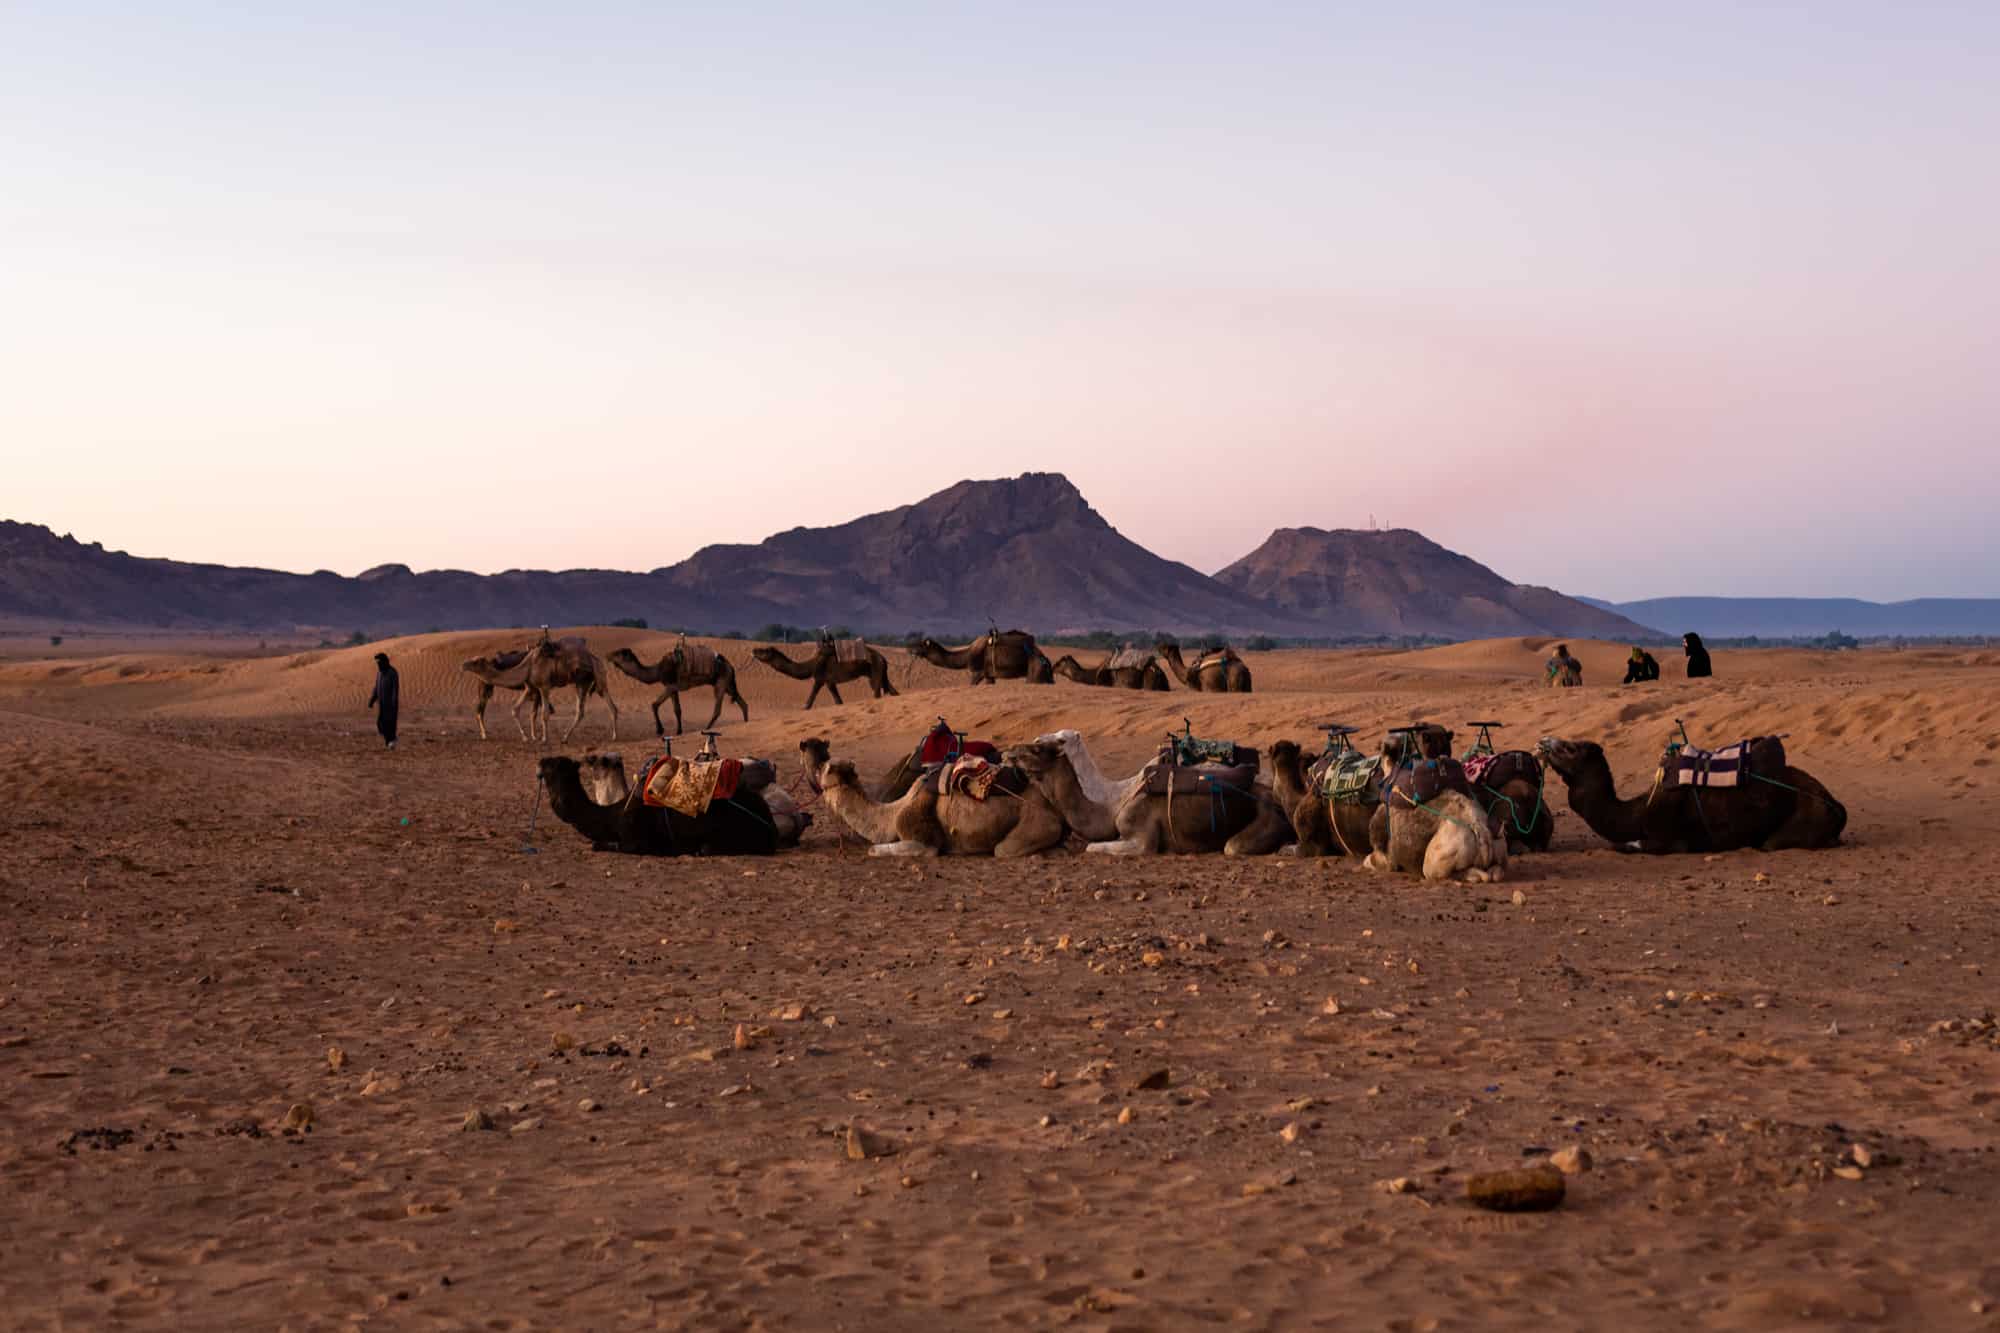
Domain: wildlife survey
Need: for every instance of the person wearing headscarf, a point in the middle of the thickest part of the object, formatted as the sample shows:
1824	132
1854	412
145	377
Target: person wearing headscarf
386	700
1563	669
1641	666
1697	655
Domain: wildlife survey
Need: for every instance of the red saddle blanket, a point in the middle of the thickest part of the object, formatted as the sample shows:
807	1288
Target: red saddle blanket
689	786
941	743
1497	770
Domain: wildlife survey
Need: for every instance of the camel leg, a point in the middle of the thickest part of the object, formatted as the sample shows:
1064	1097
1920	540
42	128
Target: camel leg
718	707
902	849
604	689
677	711
834	690
580	697
1033	833
479	709
526	696
814	693
737	695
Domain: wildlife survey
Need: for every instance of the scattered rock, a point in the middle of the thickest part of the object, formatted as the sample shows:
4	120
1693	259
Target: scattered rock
1267	1184
335	1059
1400	1185
1849	1172
1290	1133
532	1123
1153	1082
505	924
1571	1161
1051	1080
975	997
1520	898
299	1116
863	1144
1125	1116
475	1121
1861	1154
1332	1005
742	1041
562	1041
587	1105
1534	1189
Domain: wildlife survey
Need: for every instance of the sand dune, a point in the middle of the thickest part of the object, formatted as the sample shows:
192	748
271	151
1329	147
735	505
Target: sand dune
213	875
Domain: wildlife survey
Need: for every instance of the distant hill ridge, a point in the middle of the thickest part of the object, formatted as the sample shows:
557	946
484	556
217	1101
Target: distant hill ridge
1028	550
1814	617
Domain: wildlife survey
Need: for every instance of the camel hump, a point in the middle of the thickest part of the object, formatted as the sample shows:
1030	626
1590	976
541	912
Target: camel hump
696	659
850	650
509	660
1128	658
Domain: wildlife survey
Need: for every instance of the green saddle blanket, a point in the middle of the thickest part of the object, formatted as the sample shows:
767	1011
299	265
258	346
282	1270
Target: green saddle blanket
1349	779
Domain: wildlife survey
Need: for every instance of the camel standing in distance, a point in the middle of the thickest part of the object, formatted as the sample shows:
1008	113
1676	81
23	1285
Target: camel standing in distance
998	655
566	664
927	823
1145	676
826	670
501	671
1221	672
683	669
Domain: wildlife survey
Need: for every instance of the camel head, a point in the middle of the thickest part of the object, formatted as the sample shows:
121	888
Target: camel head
926	646
1569	757
1283	753
1069	739
557	770
622	656
766	655
1036	757
818	756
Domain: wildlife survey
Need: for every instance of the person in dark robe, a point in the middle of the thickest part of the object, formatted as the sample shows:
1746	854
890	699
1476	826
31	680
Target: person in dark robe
386	699
1563	670
1697	654
1640	666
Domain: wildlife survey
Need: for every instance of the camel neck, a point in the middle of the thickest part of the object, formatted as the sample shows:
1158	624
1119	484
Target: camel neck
1594	796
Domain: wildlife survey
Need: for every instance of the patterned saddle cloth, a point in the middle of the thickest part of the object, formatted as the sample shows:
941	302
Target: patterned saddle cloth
1428	741
1421	781
1731	766
689	786
850	650
1495	771
1348	778
1191	752
1128	658
973	776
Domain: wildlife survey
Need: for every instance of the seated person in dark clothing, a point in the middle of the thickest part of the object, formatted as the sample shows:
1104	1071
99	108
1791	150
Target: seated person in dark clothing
1641	665
1697	654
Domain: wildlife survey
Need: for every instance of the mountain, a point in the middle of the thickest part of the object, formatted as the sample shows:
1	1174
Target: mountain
1027	551
1812	617
1401	582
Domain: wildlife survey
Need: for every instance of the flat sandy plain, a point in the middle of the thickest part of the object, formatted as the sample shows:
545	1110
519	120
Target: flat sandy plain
213	875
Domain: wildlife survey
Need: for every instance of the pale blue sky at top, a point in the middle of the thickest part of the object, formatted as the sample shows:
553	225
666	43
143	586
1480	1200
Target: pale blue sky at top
1630	300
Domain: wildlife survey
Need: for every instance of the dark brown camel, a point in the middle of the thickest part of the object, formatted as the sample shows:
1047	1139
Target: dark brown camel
826	669
997	655
683	669
739	826
1793	810
1219	672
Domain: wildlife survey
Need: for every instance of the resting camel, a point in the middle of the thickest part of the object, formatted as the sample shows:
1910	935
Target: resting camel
826	670
1447	837
927	823
683	669
555	664
501	671
1234	820
1107	792
1146	675
739	826
604	779
1801	813
998	655
1322	827
1220	672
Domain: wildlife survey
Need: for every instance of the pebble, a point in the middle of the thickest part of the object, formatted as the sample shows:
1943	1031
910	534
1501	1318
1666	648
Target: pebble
1534	1189
1400	1185
1520	898
298	1117
533	1122
863	1144
742	1041
1571	1161
1153	1082
475	1121
1125	1116
587	1105
335	1058
1290	1133
1051	1080
1267	1184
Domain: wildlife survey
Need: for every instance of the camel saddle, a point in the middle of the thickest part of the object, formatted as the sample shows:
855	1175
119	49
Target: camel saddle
849	650
1494	771
507	661
1166	778
1424	741
1220	657
941	744
1348	778
1188	751
695	659
1418	782
689	786
973	776
574	645
1128	658
1730	766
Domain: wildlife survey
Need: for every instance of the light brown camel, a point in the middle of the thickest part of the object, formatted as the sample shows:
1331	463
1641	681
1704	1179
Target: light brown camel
567	664
826	669
501	671
685	668
1219	672
1236	819
927	823
1324	827
1123	670
1447	837
996	655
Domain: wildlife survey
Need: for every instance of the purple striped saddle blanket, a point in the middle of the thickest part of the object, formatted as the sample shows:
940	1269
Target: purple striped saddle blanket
1730	766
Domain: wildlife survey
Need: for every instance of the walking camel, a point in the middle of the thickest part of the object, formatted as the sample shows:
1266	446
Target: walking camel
997	655
501	671
567	664
686	667
828	667
1219	672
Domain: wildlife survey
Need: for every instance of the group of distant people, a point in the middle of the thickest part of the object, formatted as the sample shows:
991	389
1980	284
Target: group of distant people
1565	670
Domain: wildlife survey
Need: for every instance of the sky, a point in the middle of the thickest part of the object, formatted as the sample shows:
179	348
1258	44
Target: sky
1628	300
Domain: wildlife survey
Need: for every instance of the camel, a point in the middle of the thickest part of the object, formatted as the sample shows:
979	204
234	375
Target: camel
739	826
1762	814
1515	801
1234	820
997	655
1447	837
928	823
604	778
683	669
1128	675
826	669
1106	792
1322	827
555	664
1220	672
501	671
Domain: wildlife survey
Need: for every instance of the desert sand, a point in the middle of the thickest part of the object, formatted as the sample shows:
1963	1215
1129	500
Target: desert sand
1115	1094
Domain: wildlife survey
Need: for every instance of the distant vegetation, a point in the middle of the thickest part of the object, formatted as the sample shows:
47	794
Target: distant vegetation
55	640
630	622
